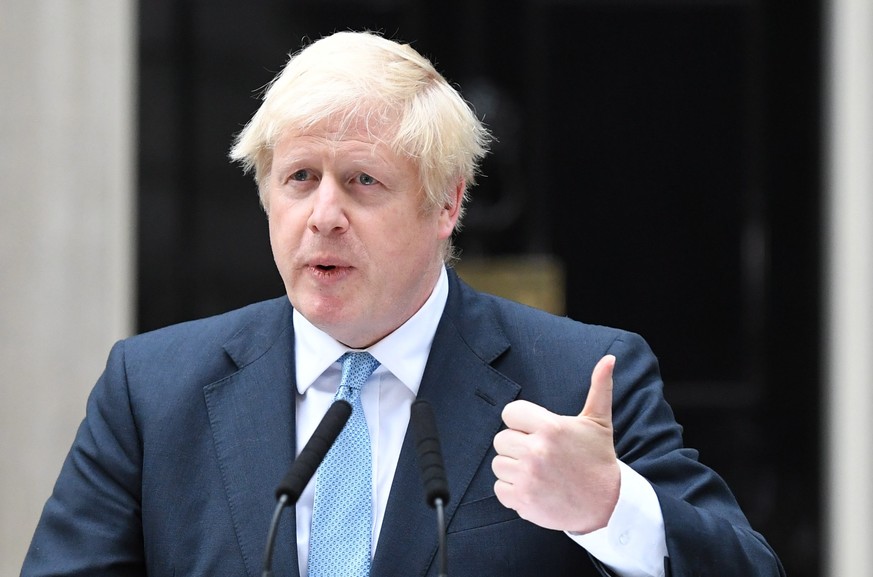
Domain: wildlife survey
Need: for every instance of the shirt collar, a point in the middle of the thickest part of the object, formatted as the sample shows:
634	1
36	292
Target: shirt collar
403	353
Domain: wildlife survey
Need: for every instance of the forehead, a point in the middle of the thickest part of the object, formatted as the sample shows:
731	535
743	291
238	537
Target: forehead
358	137
365	122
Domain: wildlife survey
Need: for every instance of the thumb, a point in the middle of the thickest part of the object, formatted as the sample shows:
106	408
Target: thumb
598	405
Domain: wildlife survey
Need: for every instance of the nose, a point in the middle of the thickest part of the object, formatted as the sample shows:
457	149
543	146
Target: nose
328	214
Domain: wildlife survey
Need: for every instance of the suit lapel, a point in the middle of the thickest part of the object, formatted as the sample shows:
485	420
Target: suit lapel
467	396
251	414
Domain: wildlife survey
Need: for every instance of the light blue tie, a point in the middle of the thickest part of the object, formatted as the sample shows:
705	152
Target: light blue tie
340	538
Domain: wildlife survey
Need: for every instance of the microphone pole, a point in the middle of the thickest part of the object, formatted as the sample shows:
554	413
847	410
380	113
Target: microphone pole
441	533
302	469
433	474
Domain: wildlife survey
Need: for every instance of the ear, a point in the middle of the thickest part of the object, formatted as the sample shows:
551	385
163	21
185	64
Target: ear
451	212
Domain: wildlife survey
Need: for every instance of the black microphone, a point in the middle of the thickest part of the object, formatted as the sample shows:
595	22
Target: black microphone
433	473
303	468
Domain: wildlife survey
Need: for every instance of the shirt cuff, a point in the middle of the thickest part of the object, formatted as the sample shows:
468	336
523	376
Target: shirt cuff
633	543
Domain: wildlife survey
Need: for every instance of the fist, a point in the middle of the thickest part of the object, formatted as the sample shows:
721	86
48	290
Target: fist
560	472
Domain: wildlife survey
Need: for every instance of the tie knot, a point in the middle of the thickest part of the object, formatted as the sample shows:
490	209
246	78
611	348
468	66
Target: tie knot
357	368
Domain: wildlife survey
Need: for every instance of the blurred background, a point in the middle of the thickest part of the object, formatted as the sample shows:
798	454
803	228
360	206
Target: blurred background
660	165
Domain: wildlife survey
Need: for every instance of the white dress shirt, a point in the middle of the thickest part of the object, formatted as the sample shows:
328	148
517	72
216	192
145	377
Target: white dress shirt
629	544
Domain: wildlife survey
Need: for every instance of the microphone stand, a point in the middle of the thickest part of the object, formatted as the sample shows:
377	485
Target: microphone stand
271	536
441	532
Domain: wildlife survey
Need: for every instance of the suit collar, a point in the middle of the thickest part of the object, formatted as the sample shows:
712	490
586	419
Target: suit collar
268	328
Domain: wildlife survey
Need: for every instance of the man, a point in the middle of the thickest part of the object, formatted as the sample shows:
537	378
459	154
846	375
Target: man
562	456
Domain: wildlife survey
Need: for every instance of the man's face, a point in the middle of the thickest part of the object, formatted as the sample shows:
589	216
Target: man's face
357	253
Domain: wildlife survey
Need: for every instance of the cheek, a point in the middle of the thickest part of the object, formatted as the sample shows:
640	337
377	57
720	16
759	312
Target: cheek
414	243
274	227
284	227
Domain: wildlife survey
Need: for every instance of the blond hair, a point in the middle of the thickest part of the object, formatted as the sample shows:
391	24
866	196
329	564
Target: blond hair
355	76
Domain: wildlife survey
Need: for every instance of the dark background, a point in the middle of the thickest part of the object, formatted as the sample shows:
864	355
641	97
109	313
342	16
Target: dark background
665	152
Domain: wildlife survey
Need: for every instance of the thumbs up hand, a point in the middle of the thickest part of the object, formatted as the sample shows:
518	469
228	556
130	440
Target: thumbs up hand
560	472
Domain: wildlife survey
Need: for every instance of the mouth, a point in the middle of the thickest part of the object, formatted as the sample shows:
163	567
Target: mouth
329	269
327	266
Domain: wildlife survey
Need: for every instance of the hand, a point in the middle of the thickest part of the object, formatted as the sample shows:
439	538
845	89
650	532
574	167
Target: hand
560	472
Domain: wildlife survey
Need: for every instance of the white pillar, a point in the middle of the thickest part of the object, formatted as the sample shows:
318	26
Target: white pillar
848	244
67	73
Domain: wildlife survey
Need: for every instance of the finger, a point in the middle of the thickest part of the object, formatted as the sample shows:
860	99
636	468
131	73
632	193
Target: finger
525	416
505	493
504	468
598	405
510	443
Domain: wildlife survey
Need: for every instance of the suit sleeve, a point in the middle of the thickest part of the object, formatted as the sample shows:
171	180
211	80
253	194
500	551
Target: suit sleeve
706	532
91	524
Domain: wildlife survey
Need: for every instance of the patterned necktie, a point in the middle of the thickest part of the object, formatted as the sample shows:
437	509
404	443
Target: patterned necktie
341	534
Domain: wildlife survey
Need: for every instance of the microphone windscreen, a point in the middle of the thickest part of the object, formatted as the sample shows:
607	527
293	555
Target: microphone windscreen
430	455
313	453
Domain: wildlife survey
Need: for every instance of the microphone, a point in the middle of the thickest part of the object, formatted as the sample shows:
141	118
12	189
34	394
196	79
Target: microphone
302	469
433	474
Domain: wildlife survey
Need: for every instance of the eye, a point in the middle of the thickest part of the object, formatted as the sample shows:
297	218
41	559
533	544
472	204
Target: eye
366	179
301	175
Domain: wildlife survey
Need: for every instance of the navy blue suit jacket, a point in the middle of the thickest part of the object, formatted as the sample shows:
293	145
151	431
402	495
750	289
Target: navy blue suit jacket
190	429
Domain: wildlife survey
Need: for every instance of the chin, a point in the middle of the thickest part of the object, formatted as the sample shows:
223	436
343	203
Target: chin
328	316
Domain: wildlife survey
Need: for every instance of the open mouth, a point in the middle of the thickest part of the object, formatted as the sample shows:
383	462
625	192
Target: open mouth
325	267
